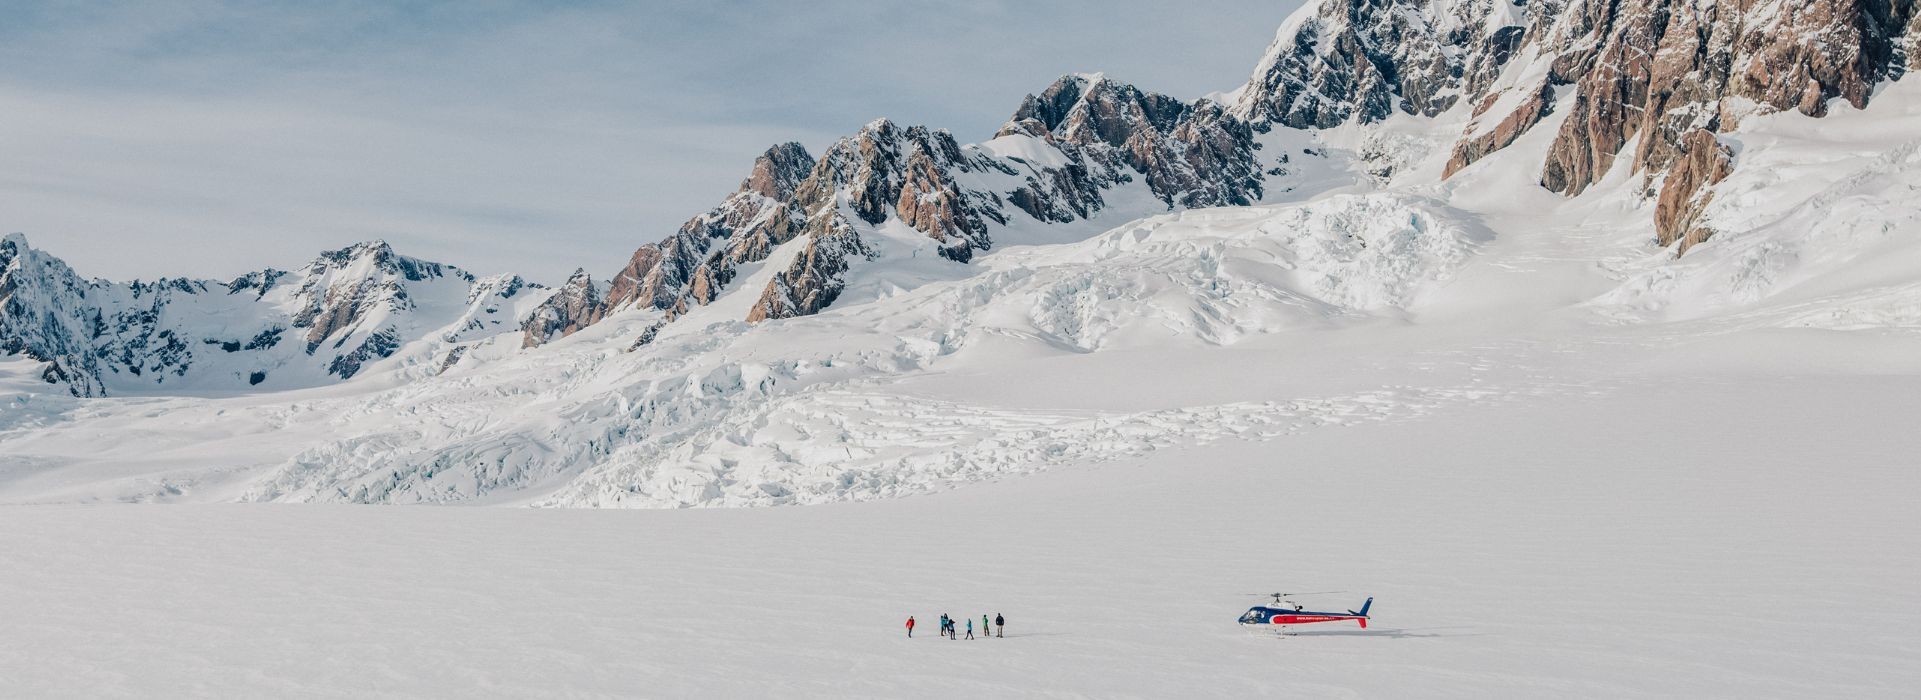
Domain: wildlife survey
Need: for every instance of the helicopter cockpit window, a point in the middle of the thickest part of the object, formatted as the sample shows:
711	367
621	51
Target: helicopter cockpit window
1253	615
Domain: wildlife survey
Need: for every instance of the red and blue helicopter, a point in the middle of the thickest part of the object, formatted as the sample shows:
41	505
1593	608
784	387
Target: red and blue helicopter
1287	612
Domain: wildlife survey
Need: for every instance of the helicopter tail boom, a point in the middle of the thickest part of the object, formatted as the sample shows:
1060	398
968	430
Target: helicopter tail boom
1361	615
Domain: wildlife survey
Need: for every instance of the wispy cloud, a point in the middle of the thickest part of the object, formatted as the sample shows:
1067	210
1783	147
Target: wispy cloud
211	138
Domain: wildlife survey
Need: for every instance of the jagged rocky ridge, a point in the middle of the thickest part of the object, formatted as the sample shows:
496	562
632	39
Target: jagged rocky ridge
1053	162
325	322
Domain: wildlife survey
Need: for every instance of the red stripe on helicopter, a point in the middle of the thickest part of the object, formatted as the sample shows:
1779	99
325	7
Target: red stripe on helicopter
1304	619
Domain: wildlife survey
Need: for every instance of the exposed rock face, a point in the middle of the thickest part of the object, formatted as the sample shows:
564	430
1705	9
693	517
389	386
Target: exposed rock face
1099	133
348	307
1649	72
45	314
1474	145
1913	45
1342	60
700	258
1191	155
343	288
576	304
1655	71
814	280
915	173
1710	64
1704	162
1612	89
778	171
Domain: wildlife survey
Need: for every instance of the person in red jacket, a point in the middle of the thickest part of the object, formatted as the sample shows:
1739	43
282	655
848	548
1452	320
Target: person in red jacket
910	626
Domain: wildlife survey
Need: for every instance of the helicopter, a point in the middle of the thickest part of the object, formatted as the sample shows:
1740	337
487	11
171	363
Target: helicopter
1288	612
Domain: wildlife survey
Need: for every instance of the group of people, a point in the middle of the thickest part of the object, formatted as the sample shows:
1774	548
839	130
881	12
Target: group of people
950	628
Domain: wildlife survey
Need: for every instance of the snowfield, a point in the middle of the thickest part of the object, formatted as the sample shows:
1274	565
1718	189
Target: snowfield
1725	534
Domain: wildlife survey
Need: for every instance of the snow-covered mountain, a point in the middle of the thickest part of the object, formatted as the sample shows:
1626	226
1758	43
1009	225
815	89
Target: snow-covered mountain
272	329
1389	164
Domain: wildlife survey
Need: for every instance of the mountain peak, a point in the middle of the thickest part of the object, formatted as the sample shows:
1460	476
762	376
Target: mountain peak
1089	107
379	256
778	171
377	249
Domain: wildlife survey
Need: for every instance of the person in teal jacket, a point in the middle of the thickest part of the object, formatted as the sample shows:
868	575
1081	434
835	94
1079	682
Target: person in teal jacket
970	628
984	628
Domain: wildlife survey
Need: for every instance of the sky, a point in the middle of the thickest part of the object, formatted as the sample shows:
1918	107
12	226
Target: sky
208	139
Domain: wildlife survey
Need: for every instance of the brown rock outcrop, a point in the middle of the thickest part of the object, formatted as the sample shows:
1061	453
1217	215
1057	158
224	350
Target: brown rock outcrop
1704	161
1474	147
814	280
1704	58
575	305
660	274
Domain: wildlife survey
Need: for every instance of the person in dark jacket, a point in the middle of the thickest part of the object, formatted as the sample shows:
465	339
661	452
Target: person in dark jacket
1000	625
